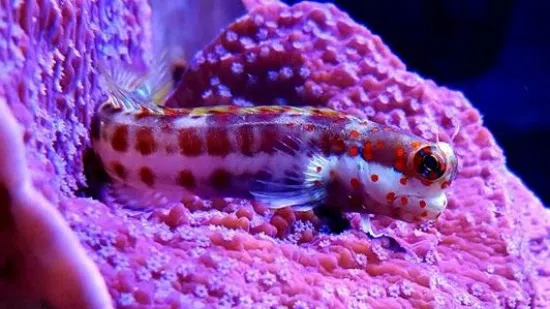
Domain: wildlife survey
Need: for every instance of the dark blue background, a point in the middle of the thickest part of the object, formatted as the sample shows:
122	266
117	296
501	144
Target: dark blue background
496	52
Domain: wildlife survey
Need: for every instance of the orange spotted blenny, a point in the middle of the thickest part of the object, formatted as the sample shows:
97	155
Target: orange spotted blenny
283	156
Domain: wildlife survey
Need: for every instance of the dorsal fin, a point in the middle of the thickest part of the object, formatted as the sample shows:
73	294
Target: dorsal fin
132	89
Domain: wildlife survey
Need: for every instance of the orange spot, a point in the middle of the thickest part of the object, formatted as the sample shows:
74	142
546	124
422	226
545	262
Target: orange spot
245	139
380	144
375	129
186	179
415	144
309	127
424	214
355	183
364	122
367	151
353	151
220	179
339	145
400	152
390	197
147	177
403	181
119	169
354	134
269	137
217	142
404	200
422	203
444	185
145	141
190	142
119	141
374	178
400	165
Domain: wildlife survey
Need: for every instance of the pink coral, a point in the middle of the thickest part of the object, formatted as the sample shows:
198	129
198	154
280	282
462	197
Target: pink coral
49	85
488	250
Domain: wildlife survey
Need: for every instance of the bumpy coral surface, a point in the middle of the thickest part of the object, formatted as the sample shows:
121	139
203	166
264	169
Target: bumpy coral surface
49	86
488	250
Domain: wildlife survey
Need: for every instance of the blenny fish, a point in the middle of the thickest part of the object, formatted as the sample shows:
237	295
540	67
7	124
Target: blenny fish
282	156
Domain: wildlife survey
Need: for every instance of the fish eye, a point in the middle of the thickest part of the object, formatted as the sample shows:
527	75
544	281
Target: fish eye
429	164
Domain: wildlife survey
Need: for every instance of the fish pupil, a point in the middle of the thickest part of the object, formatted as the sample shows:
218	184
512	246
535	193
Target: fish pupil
430	163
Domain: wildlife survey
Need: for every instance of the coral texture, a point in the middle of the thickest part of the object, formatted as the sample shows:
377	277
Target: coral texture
48	84
488	250
188	18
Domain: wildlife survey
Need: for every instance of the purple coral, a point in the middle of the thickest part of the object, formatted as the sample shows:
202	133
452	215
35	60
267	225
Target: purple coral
488	250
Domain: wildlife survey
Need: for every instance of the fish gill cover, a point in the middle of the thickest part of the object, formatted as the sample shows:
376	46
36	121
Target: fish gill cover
489	249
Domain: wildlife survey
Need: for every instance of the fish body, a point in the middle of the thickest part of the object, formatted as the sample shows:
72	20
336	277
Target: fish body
283	156
211	152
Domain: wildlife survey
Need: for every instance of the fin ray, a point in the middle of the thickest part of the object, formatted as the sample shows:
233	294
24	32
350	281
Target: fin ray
160	79
134	198
132	89
140	199
118	82
310	190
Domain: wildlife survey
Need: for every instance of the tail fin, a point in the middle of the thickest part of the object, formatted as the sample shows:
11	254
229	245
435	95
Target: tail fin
131	89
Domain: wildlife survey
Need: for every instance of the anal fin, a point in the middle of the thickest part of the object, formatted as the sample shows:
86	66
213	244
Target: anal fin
136	199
